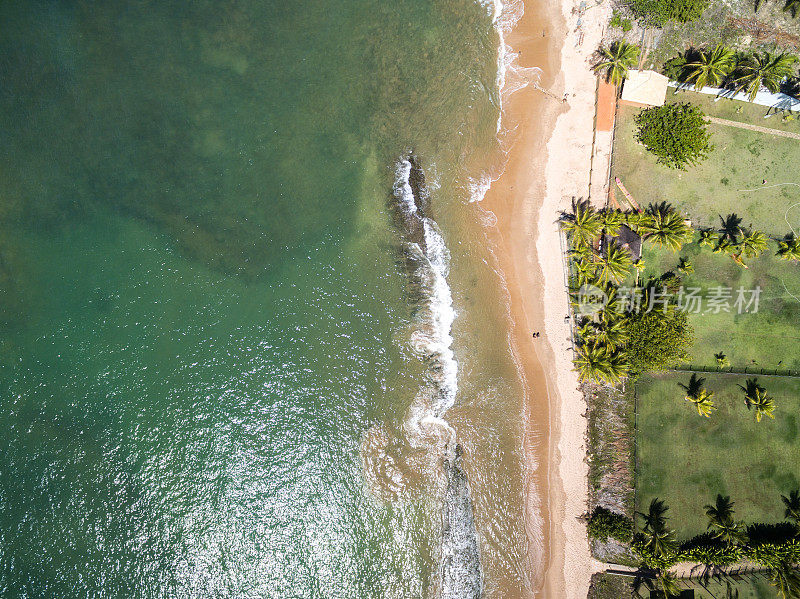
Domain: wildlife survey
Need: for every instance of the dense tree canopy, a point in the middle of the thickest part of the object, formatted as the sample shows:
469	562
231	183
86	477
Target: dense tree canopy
658	339
656	13
676	134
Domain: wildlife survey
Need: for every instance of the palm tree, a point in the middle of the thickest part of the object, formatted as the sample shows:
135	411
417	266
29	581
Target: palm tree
753	243
722	359
708	237
712	67
685	266
792	6
731	228
665	226
763	69
617	60
789	246
660	541
792	505
699	396
600	364
612	221
786	580
655	517
755	396
614	264
662	581
720	520
720	511
613	333
583	225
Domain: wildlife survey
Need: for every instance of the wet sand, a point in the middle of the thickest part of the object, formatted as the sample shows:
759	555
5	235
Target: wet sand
548	163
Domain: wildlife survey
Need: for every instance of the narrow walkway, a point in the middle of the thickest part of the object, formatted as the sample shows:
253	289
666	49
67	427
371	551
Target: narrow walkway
776	132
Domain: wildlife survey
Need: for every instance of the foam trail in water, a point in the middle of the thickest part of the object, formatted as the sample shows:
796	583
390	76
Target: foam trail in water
428	264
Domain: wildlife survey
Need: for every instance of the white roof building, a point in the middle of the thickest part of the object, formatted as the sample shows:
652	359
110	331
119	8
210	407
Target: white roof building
645	87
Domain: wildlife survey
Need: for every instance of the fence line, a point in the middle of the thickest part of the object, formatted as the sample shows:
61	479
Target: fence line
778	372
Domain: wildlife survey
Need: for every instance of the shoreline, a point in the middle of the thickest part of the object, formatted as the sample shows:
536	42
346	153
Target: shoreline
547	164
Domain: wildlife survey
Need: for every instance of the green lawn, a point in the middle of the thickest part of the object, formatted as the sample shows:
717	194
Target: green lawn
741	160
611	586
769	338
753	587
686	459
735	110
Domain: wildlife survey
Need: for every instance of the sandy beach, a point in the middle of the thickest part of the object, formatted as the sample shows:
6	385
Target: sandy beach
549	159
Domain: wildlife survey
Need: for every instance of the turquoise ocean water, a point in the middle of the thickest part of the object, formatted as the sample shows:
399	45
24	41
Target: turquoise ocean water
208	340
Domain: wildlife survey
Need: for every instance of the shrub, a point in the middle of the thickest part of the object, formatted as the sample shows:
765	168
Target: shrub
620	22
675	68
661	562
710	550
604	523
656	13
676	134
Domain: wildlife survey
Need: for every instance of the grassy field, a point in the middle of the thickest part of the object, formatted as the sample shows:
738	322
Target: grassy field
686	459
612	586
735	110
754	587
769	338
741	160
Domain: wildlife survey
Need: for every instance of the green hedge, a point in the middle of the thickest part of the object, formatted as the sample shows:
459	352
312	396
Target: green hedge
767	544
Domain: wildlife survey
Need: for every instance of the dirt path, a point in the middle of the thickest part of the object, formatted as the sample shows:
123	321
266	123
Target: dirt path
749	127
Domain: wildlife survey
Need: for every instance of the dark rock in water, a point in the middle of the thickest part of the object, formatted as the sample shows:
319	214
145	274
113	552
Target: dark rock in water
461	562
416	179
410	201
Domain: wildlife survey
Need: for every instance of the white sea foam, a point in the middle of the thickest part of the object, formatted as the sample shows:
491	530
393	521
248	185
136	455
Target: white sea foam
425	425
431	339
511	77
402	187
478	187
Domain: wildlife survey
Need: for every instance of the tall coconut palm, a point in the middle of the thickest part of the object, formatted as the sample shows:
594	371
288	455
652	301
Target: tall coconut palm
786	580
667	583
656	515
792	6
721	522
616	60
755	397
763	69
660	541
685	266
731	228
634	219
708	237
753	243
699	395
583	225
712	67
612	221
665	226
614	264
792	506
612	333
720	511
599	363
789	247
